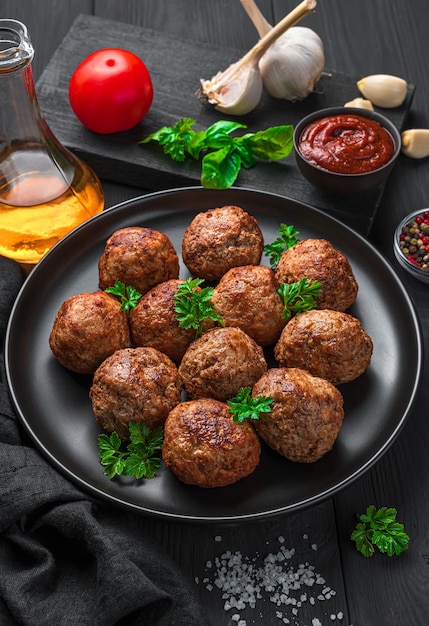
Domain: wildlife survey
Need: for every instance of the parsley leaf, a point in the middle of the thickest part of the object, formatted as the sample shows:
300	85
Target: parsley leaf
378	528
174	140
128	295
140	458
243	406
286	240
299	297
193	305
222	154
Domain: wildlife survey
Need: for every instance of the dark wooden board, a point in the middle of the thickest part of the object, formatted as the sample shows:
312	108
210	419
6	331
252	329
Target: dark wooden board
176	66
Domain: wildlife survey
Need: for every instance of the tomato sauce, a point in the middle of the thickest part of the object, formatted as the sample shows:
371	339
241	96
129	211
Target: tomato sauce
346	144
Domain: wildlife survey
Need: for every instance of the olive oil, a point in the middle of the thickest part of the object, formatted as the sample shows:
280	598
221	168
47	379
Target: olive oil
39	206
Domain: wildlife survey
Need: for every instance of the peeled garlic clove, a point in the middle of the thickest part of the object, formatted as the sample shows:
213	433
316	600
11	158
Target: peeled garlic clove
384	90
360	103
415	143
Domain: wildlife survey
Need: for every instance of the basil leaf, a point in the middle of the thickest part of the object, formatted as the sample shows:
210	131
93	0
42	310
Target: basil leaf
220	169
222	127
270	144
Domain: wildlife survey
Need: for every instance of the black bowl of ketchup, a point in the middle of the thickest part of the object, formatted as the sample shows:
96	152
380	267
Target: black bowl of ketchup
345	150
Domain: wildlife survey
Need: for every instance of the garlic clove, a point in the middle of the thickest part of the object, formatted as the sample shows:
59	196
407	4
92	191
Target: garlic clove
384	90
360	103
415	143
239	95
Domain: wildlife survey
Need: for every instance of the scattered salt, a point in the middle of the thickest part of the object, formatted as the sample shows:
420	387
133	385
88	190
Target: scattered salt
243	581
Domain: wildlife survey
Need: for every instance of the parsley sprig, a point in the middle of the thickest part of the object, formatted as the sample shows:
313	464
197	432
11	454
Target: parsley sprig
286	240
128	295
243	406
222	154
299	296
193	305
140	458
378	528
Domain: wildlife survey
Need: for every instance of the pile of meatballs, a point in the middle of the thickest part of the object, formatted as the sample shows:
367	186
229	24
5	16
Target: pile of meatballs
144	367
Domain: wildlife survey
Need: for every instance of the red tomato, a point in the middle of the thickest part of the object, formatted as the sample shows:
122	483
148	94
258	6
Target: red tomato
111	90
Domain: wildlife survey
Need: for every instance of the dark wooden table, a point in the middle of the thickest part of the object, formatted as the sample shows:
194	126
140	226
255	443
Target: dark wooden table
387	36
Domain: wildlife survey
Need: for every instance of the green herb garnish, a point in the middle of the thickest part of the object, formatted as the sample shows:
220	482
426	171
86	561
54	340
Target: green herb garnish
286	240
299	297
141	456
222	154
243	406
128	295
193	306
379	529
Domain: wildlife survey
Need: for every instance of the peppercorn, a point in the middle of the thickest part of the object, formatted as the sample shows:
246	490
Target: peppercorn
414	241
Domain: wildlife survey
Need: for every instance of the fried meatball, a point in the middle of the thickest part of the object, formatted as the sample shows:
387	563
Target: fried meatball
88	328
219	239
138	257
305	417
139	385
203	445
153	322
329	344
317	259
246	297
220	362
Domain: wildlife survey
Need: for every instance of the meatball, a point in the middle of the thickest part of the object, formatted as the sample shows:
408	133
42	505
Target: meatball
138	257
317	259
305	417
329	344
246	297
153	322
220	362
219	239
139	385
88	328
203	445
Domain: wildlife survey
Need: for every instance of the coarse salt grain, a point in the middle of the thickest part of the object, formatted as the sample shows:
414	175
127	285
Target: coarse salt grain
242	582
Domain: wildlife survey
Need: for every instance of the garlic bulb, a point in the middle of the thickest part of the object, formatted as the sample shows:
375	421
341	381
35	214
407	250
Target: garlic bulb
415	143
384	90
360	103
292	66
238	89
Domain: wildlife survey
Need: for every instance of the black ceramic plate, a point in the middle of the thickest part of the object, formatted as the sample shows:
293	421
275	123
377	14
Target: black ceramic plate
54	407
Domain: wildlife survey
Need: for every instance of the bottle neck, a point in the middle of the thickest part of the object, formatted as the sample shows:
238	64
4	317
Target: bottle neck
20	115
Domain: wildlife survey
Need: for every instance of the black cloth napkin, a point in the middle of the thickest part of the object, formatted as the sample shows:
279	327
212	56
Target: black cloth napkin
66	559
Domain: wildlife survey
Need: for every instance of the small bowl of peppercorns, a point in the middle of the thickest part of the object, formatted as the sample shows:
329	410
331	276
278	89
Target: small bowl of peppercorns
411	244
